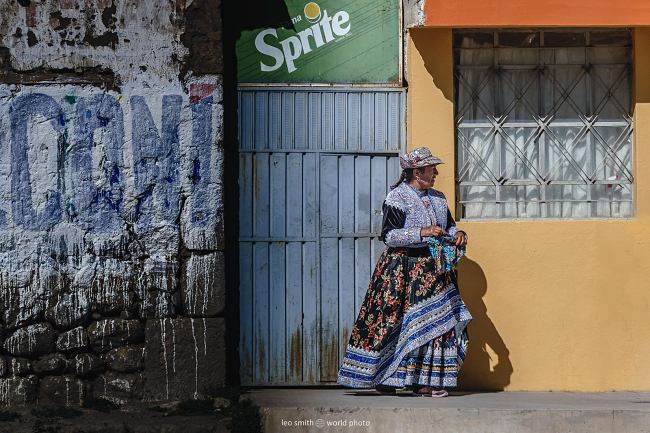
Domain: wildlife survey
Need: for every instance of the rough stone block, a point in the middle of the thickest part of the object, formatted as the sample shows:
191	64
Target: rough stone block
203	285
20	367
125	359
85	365
32	340
50	364
119	388
202	214
111	285
63	390
70	309
18	391
157	288
75	340
184	358
158	304
24	299
203	237
203	37
111	333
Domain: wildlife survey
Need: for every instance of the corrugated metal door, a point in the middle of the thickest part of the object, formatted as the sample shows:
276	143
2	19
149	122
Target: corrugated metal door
315	166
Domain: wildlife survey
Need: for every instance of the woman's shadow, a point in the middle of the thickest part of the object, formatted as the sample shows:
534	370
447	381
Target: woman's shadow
487	365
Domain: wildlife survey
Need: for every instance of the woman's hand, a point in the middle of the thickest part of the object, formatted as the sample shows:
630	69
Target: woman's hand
460	239
431	231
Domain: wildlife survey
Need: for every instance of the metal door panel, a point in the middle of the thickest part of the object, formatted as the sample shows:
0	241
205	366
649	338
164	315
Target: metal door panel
395	119
246	195
363	209
329	309
314	169
367	121
310	197
329	207
381	122
294	309
311	302
327	121
246	361
362	269
340	121
261	122
347	244
261	199
301	140
378	190
261	335
346	204
353	124
273	121
277	313
346	260
294	208
278	186
246	120
288	121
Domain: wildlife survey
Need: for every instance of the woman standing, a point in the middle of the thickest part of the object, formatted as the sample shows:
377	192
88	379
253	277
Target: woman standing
410	333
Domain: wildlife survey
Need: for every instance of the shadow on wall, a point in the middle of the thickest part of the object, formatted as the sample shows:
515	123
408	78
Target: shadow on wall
487	366
437	57
260	14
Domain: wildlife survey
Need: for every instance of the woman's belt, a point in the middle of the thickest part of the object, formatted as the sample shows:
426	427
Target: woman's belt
410	252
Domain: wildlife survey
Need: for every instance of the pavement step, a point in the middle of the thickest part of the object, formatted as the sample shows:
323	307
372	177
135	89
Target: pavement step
340	410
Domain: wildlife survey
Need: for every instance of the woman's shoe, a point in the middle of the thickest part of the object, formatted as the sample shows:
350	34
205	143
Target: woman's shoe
404	391
385	390
427	391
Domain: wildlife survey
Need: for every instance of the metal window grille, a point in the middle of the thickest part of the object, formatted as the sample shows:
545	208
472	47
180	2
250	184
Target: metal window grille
543	123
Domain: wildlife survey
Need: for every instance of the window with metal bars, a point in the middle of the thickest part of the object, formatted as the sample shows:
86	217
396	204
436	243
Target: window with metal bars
543	123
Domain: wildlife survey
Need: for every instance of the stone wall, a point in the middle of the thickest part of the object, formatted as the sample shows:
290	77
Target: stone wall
413	13
111	209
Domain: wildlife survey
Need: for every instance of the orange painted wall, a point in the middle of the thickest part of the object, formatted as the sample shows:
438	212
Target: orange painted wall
558	304
518	13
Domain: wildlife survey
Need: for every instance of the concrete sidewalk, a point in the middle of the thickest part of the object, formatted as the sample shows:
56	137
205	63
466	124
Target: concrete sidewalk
344	410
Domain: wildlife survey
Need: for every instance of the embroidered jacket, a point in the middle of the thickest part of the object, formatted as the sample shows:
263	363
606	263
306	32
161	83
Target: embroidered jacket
405	211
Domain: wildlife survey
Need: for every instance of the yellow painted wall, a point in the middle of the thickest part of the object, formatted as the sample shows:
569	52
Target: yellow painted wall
557	304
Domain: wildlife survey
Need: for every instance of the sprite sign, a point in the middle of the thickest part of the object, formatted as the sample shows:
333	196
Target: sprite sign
331	41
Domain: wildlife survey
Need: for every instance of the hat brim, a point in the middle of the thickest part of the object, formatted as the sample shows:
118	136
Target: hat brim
429	160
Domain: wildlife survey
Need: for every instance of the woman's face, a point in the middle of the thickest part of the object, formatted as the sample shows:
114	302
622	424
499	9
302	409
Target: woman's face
427	176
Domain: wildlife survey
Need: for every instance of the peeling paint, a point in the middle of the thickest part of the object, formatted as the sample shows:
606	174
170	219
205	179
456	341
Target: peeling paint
295	355
101	195
413	11
116	35
111	167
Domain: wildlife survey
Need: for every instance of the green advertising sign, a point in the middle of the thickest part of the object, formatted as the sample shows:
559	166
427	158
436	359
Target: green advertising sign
332	41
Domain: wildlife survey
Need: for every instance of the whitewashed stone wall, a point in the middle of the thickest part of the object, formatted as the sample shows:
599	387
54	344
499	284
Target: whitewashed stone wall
111	199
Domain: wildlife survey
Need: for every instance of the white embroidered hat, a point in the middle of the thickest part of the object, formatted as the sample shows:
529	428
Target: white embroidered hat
420	157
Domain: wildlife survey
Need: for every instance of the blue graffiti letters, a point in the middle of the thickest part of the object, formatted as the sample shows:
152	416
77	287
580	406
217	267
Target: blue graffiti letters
97	202
23	109
156	161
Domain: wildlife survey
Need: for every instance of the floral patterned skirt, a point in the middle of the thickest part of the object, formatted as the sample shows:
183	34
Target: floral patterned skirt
411	328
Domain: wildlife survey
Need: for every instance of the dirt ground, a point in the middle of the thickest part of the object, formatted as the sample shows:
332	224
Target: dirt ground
205	416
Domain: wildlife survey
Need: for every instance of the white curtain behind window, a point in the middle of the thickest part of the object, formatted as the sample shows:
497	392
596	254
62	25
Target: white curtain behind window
544	124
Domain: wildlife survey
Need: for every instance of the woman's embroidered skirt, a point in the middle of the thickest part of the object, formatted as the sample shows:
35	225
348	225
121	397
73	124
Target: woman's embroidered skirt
411	327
